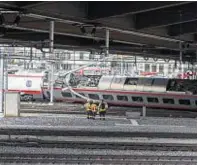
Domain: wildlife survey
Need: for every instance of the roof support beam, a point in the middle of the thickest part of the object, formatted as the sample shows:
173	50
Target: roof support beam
184	28
195	37
165	17
67	40
28	3
9	6
98	10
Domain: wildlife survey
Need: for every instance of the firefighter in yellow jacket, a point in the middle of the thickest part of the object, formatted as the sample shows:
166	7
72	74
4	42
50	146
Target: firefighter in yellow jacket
102	109
88	108
94	109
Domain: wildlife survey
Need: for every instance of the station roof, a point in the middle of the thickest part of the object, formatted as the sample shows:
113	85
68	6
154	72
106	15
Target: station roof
152	29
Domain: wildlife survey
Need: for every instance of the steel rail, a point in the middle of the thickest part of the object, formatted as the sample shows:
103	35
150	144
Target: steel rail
94	159
38	143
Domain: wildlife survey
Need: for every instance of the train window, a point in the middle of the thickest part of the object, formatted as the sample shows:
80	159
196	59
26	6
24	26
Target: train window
148	82
107	97
94	96
147	67
168	101
161	68
80	94
137	99
154	68
184	102
122	98
131	81
152	100
66	94
48	94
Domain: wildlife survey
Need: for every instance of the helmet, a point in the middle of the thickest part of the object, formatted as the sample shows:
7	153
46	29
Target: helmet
98	103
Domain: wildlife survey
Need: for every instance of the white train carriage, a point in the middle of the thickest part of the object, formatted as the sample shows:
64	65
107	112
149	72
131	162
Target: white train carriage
128	91
29	86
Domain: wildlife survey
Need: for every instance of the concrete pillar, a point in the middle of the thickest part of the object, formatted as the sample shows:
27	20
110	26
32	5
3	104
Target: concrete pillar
12	104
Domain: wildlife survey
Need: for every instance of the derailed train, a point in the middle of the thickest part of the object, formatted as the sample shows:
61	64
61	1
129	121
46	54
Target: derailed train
163	93
128	91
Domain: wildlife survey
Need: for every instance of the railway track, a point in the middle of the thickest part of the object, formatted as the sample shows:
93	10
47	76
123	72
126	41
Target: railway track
100	145
45	147
60	109
96	159
150	147
68	108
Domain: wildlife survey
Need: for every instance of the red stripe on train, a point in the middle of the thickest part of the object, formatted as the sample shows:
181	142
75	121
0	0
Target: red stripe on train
13	75
134	92
131	92
132	104
30	92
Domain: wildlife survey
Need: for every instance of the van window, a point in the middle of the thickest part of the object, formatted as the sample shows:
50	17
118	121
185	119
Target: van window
137	99
122	98
152	100
168	101
184	102
94	96
107	97
66	94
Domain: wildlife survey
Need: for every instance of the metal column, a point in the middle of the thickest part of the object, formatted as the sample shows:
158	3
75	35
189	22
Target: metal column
6	74
107	45
180	58
1	82
51	48
107	42
122	69
74	59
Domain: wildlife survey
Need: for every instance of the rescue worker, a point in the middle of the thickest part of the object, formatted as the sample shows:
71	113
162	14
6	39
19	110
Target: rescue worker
88	109
94	108
102	109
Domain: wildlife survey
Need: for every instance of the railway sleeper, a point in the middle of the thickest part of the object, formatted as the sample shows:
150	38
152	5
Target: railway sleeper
115	146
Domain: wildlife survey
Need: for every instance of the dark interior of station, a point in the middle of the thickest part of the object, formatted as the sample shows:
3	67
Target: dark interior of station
139	108
152	29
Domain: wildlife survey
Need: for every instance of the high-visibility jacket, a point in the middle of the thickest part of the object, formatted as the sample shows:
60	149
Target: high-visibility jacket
94	107
88	107
102	109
